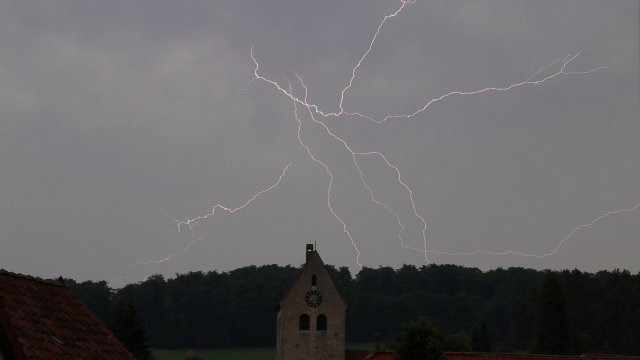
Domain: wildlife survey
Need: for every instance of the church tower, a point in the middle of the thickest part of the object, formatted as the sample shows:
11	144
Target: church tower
311	315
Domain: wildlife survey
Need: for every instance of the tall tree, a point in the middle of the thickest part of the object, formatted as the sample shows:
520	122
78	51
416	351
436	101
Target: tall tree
96	295
420	339
551	335
127	328
480	338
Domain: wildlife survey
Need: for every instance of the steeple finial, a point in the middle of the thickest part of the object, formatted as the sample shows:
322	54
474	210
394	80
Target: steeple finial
310	250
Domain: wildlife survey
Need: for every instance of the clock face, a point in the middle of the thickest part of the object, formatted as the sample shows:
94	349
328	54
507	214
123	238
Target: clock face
313	298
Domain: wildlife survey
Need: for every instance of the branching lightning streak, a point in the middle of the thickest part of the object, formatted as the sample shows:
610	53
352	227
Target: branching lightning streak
192	241
566	61
190	223
364	183
413	205
366	53
345	229
552	252
315	113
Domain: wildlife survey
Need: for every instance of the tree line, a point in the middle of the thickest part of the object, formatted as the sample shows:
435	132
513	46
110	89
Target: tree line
515	309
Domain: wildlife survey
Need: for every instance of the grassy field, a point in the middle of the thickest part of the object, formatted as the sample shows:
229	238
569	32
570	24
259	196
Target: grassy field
230	354
226	354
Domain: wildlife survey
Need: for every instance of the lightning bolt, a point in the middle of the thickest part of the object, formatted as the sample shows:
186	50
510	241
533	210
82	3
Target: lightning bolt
314	110
550	253
317	117
190	223
193	241
345	228
366	53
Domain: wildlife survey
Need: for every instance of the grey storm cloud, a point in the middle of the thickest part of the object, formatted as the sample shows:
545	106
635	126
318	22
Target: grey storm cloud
119	119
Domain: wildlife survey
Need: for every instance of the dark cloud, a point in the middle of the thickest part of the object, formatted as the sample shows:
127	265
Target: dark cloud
118	118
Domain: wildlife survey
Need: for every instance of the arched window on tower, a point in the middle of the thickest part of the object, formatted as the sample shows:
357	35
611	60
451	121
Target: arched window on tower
314	280
304	322
321	322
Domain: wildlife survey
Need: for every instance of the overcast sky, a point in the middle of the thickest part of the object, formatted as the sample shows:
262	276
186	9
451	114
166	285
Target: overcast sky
120	118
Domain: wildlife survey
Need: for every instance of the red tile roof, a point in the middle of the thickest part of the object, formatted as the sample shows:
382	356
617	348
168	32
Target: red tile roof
381	355
42	319
499	356
368	355
390	355
355	354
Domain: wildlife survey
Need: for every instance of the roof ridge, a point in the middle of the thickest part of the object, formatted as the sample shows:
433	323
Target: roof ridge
475	354
33	278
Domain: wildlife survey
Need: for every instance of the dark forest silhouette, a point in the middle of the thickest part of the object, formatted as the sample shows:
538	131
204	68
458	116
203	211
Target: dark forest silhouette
599	312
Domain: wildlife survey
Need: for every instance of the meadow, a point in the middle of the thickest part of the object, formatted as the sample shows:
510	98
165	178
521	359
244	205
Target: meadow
217	354
267	353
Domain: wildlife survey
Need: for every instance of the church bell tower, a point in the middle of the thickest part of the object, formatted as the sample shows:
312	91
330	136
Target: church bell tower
311	316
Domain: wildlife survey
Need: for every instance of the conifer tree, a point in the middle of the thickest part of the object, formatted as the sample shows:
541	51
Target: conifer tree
480	338
127	328
419	340
551	334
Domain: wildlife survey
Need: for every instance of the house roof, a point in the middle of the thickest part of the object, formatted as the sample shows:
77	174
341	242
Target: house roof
390	355
381	355
355	354
499	356
42	319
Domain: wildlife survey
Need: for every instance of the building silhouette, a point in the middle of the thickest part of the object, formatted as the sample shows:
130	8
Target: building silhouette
311	316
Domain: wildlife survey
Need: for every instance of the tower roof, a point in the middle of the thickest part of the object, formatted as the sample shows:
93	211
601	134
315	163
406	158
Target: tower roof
312	259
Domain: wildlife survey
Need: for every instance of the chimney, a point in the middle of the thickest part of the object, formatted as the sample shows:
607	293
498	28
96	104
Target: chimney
310	250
